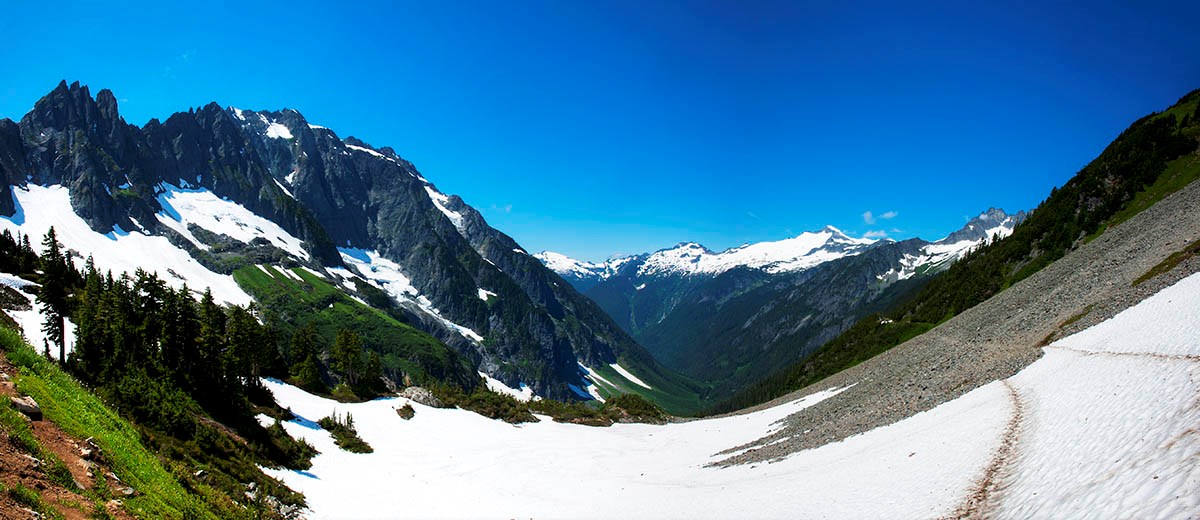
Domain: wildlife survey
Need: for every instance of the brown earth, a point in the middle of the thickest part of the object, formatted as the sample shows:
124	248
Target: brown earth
19	467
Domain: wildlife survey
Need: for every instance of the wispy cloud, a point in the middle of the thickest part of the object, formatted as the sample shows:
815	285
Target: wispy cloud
871	218
878	233
507	208
752	215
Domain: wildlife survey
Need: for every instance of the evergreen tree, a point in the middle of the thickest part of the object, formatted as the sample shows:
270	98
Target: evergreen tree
28	260
306	368
52	294
372	376
91	337
346	355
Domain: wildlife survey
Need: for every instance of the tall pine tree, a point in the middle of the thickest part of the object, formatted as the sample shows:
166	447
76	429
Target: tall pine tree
52	295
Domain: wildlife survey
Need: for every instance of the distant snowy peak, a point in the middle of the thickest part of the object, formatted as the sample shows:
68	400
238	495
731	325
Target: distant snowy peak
993	224
987	225
803	251
568	267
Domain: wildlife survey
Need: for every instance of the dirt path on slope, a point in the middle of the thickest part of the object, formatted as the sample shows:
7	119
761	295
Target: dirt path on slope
997	338
980	502
20	467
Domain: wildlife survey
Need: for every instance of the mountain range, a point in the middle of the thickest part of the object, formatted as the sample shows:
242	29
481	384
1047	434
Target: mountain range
215	196
728	318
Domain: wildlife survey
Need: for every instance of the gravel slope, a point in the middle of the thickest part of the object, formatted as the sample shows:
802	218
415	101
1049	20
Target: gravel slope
996	338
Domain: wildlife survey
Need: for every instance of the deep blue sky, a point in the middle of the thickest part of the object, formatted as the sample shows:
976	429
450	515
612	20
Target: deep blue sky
595	128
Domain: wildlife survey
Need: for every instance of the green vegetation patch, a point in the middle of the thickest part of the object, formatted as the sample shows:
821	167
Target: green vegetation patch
1170	262
344	434
403	350
31	499
676	395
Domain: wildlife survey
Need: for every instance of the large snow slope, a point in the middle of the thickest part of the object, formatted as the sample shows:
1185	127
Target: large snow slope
1104	425
40	207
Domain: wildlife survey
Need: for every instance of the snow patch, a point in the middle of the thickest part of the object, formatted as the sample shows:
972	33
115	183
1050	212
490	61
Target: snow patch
31	325
525	394
203	208
40	207
278	131
485	294
284	188
627	375
440	200
370	151
388	276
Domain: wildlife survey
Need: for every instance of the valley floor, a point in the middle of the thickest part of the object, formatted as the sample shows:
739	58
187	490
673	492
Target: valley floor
1103	425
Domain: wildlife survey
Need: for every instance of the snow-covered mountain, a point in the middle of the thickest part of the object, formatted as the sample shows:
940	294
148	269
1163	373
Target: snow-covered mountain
727	317
793	254
210	193
798	253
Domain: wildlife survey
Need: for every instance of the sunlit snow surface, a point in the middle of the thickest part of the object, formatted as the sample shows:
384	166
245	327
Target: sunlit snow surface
627	375
224	217
31	322
1108	430
40	207
803	251
524	394
440	200
387	275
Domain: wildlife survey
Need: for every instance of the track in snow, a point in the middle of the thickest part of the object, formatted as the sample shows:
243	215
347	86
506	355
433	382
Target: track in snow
980	502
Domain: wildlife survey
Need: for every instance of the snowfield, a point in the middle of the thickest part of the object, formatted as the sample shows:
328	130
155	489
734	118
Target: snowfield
40	207
1104	426
801	252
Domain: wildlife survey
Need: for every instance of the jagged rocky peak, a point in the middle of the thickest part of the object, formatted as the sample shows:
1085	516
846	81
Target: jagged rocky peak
987	225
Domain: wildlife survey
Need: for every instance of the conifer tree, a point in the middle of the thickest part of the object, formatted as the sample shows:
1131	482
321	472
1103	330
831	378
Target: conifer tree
52	294
346	355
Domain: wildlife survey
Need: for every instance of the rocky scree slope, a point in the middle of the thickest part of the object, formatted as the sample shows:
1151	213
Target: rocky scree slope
997	338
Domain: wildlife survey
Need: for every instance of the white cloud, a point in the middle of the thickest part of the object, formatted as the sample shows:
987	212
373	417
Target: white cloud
868	217
878	233
889	215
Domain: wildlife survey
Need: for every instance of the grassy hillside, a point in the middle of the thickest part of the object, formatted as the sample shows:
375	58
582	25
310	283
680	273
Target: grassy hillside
403	350
674	396
80	413
1152	158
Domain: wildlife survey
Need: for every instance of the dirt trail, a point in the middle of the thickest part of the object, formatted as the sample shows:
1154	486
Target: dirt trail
19	467
981	500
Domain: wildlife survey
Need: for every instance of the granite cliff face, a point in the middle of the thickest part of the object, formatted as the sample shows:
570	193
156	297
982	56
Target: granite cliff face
355	207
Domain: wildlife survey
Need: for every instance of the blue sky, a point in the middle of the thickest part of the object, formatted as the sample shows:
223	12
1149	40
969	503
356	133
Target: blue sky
598	128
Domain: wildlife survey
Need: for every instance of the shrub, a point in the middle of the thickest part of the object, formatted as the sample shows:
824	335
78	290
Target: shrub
344	434
632	407
406	412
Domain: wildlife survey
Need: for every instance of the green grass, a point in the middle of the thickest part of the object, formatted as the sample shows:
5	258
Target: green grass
81	414
672	396
31	499
402	348
1170	262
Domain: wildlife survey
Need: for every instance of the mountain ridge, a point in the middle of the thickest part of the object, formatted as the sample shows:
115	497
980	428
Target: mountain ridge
730	317
337	197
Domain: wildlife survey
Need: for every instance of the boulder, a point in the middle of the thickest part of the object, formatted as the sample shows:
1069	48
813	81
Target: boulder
27	406
422	396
